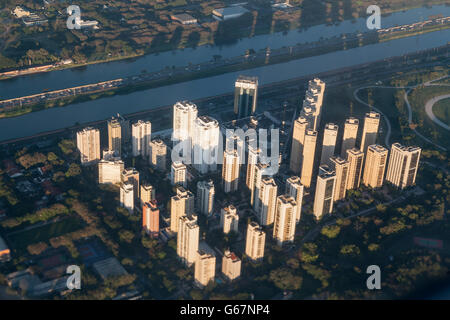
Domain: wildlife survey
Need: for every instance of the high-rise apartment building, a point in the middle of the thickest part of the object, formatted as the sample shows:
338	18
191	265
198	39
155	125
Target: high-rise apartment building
181	204
298	139
205	144
115	136
188	239
141	136
253	154
229	219
88	144
294	188
258	176
230	171
131	175
245	96
267	201
147	193
323	200
255	242
285	219
403	165
312	104
150	218
350	135
231	265
184	115
341	168
375	166
127	196
309	150
205	268
178	174
329	143
205	197
370	130
355	158
125	128
158	152
110	170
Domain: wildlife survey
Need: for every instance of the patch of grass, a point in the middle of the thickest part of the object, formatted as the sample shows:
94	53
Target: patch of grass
21	240
442	110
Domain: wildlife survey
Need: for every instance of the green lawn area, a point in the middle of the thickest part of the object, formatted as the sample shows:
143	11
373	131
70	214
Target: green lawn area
21	240
418	98
442	110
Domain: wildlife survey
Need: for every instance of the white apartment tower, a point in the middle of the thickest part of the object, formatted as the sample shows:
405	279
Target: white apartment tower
231	265
309	150
205	197
298	138
205	268
230	171
370	130
115	136
205	144
403	165
180	205
178	173
229	219
341	168
188	239
253	155
127	196
375	166
323	200
350	135
88	144
158	152
255	242
329	143
184	115
141	132
285	219
147	193
257	177
295	189
355	158
267	201
110	170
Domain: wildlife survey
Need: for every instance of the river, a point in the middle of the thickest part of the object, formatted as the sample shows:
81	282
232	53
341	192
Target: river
56	118
61	79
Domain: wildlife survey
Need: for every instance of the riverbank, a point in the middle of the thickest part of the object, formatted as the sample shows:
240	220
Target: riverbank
353	74
389	16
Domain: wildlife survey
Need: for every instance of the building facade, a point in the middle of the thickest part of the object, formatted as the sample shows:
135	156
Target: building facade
375	166
229	219
370	130
230	171
141	132
350	135
403	165
245	96
355	158
205	197
255	242
324	197
285	219
88	144
295	189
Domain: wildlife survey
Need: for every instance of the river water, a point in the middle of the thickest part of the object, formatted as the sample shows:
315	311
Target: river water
36	83
56	118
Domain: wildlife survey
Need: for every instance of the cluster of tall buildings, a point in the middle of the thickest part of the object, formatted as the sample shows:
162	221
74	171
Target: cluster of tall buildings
335	171
327	173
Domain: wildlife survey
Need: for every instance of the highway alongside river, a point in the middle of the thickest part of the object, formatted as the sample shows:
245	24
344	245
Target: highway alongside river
55	80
